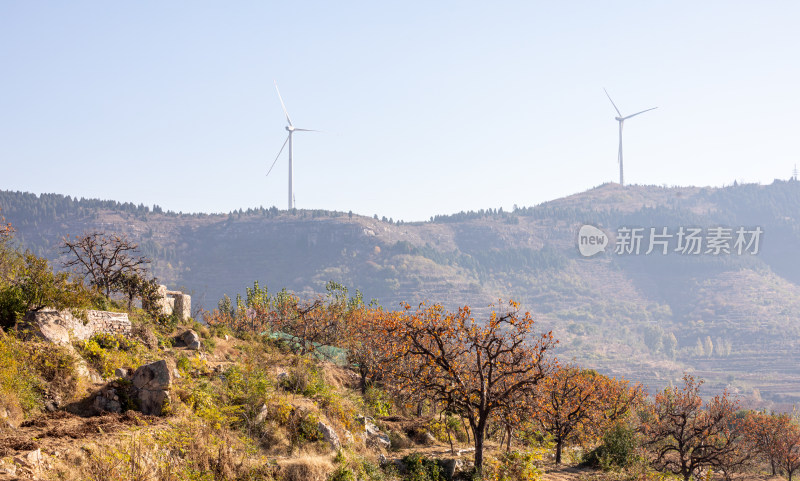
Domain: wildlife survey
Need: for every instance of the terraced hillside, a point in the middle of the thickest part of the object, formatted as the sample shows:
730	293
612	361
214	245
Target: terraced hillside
734	318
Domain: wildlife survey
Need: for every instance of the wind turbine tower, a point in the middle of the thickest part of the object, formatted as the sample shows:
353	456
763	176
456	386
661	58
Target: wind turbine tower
291	129
621	121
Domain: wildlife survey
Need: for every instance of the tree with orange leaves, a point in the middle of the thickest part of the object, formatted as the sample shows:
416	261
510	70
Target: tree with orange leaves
362	345
469	368
687	436
575	404
777	438
763	431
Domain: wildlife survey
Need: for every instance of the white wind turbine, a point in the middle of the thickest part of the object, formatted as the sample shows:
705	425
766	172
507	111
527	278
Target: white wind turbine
291	129
621	121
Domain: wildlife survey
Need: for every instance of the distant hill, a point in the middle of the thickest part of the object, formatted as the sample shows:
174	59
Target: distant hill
733	319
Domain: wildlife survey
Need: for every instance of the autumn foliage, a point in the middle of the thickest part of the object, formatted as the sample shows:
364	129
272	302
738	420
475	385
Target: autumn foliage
577	405
472	368
497	375
686	435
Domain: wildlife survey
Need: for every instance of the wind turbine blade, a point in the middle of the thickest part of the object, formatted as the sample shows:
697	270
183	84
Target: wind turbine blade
306	130
283	105
612	103
279	154
637	113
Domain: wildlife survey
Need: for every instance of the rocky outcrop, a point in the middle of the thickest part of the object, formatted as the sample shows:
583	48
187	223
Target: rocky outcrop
151	384
372	435
329	436
62	327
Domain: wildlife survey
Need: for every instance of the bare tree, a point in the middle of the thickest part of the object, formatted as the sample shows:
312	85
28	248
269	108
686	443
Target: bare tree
104	259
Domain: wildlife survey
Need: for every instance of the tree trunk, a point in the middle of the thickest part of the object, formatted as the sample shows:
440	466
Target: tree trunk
509	430
452	449
559	443
466	430
479	433
363	383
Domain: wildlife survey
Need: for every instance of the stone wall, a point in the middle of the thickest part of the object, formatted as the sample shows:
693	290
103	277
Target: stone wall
175	302
60	327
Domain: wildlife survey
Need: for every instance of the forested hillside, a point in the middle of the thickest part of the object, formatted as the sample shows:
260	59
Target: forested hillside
733	318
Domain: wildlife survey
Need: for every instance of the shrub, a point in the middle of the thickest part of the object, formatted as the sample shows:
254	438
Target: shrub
304	378
20	387
119	352
420	468
377	402
399	441
513	466
618	448
342	473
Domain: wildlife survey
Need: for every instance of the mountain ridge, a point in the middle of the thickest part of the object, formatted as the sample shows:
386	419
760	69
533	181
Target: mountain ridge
608	310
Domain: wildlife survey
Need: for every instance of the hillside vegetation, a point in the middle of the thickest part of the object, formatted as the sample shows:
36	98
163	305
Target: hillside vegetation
662	311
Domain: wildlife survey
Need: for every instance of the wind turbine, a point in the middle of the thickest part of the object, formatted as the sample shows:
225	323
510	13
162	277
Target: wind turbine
291	129
621	121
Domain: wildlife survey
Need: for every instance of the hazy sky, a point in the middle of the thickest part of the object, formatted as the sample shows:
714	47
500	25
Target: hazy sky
425	107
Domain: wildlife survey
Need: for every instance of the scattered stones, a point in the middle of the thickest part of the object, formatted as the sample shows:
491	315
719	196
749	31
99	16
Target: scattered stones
374	435
329	435
191	339
107	400
122	372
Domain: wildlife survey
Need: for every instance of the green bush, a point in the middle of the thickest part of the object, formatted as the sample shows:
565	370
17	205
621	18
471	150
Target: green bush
342	473
20	387
304	378
377	402
618	449
421	468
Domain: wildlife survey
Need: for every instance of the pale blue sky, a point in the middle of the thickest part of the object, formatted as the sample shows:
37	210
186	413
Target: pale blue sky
426	107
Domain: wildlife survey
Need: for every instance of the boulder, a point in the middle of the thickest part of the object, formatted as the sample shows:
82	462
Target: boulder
151	383
450	466
153	377
329	435
191	339
153	402
47	325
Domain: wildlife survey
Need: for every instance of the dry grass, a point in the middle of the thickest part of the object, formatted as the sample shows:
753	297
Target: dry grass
306	468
